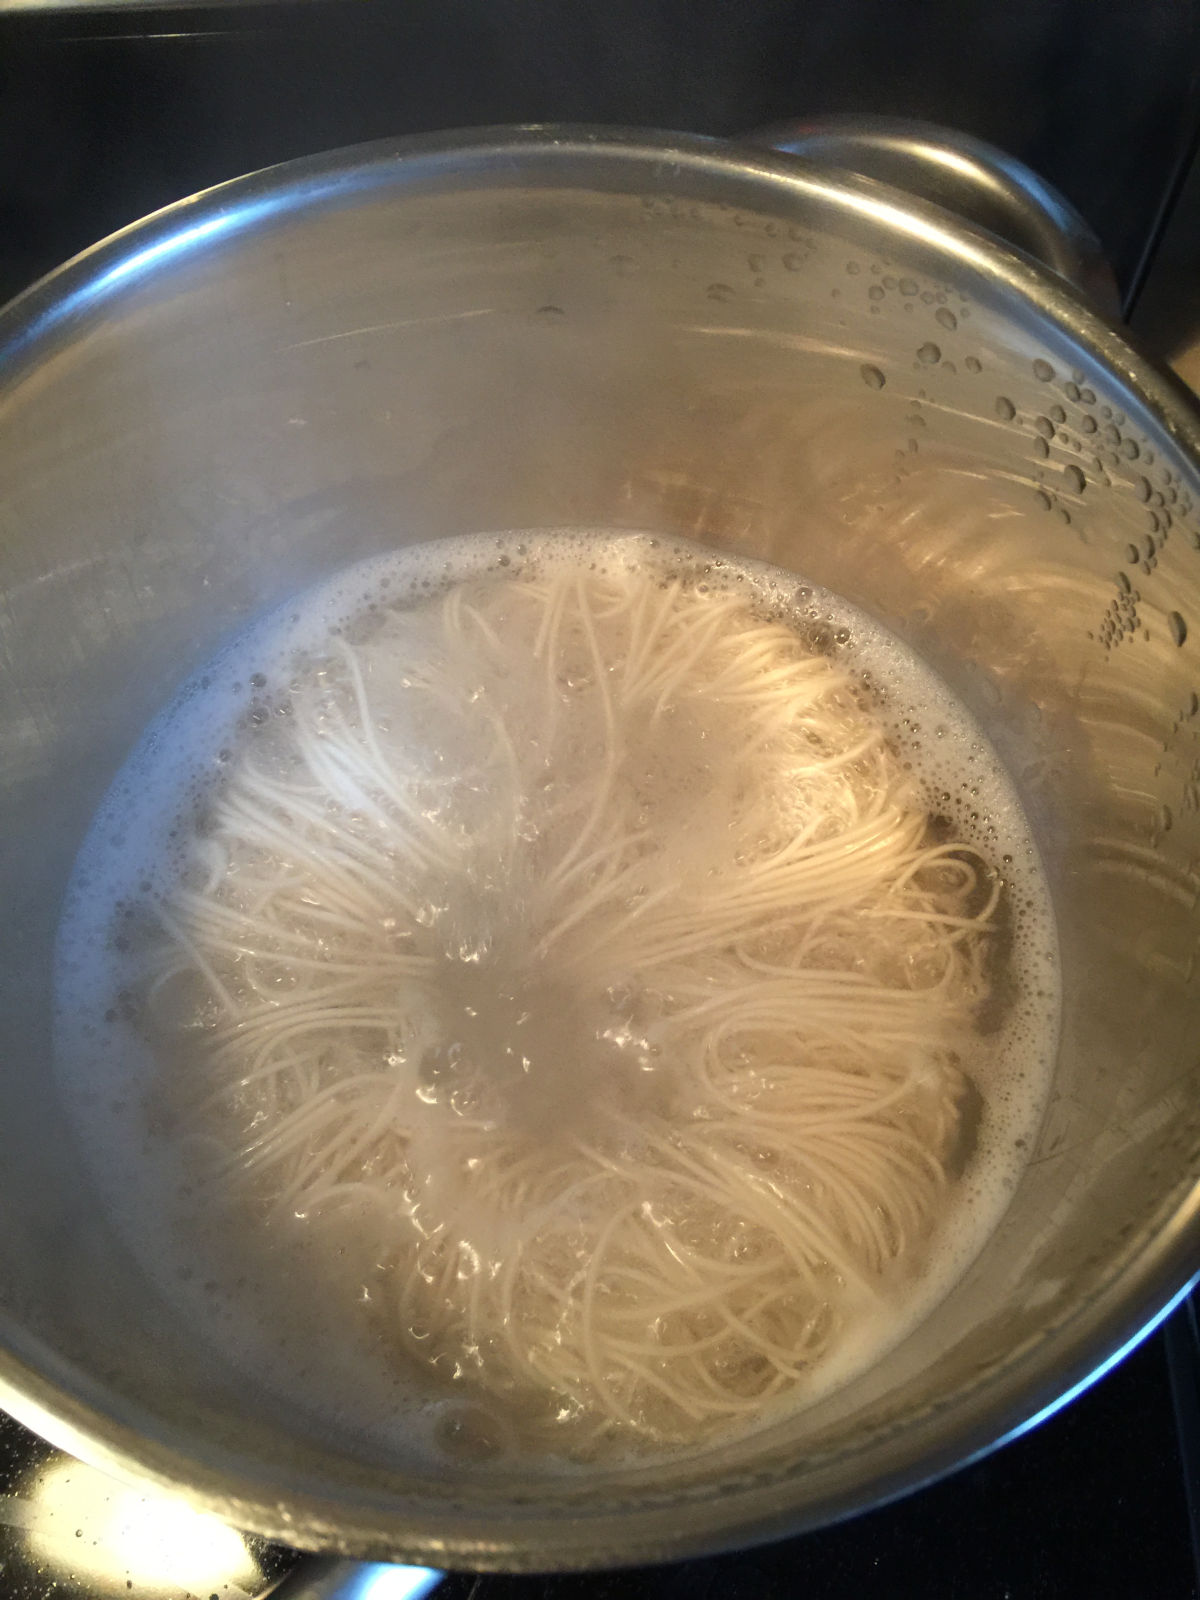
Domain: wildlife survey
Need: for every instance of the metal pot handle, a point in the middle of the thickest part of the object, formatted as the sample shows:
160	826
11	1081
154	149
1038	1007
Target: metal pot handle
964	175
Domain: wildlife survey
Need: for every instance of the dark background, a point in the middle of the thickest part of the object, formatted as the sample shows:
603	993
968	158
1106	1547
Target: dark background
107	113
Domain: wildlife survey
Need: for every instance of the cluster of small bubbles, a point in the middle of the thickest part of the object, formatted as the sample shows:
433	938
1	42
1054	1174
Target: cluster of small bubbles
1121	620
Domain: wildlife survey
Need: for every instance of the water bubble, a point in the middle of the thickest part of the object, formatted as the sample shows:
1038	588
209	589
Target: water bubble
1044	426
1071	390
874	292
872	376
1129	449
1057	414
1142	489
720	291
1177	626
1041	449
908	286
1075	478
1043	499
973	364
794	261
946	317
929	354
468	1433
1005	409
1042	370
1087	424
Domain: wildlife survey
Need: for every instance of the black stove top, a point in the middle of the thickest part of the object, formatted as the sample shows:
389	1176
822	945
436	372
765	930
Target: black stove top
108	111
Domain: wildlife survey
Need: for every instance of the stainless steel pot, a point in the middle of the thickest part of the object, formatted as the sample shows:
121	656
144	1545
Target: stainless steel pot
547	327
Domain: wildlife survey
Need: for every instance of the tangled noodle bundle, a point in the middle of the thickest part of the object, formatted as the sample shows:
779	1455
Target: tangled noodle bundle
585	934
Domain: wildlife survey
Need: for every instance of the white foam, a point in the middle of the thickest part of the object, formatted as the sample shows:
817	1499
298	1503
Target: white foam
135	849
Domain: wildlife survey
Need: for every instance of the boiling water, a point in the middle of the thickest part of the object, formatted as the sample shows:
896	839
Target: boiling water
521	1032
